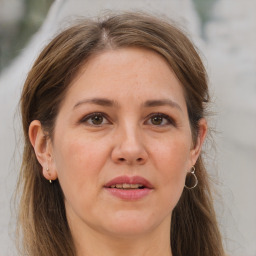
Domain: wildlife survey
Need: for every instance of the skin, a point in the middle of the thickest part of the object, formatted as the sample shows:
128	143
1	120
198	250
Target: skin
128	141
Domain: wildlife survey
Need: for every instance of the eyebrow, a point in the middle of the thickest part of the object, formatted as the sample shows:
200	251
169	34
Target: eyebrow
97	101
111	103
162	102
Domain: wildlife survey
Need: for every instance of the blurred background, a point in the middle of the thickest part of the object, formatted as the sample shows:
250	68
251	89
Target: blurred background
225	33
19	20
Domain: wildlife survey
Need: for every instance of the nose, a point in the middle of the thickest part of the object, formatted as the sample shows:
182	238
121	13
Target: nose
129	148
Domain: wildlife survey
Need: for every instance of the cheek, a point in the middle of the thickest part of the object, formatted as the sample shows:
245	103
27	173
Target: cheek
172	156
171	159
79	161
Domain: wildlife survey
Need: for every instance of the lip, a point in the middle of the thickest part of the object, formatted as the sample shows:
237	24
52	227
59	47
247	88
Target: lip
129	194
130	180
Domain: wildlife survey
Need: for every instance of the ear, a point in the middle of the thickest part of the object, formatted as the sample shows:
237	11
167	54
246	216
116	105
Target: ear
43	149
196	149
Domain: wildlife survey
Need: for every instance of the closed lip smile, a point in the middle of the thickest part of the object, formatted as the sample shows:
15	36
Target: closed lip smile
129	188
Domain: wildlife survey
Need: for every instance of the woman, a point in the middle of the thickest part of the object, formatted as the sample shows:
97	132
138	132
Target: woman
114	121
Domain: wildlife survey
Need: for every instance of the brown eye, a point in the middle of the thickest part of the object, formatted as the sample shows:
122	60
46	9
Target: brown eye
156	120
160	119
97	120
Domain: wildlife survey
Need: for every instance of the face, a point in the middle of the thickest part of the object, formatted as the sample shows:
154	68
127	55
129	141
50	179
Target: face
122	144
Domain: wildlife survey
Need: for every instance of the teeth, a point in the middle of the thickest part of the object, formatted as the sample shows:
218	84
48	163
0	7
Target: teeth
135	186
127	186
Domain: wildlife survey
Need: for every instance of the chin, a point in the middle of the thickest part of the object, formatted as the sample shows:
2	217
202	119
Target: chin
129	231
131	224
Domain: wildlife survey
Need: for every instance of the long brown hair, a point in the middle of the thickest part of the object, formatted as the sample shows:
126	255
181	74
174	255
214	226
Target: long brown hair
42	225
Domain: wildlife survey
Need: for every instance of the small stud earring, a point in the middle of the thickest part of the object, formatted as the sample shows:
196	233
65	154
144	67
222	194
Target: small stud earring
47	170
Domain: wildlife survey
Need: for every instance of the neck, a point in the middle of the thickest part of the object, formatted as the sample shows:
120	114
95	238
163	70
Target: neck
92	243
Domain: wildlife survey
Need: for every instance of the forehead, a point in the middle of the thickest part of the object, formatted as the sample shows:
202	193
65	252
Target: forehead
133	73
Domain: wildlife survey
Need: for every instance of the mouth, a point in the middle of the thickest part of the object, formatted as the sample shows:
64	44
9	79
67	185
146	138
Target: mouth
129	188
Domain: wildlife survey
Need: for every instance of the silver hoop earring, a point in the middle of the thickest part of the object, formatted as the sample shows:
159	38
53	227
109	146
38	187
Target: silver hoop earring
192	172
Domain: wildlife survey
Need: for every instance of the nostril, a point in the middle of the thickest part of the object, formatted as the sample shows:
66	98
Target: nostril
138	160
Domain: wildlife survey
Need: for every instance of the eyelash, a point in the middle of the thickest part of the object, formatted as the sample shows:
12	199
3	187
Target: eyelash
169	120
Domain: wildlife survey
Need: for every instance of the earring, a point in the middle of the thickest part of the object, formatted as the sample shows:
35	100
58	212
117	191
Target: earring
192	172
47	170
